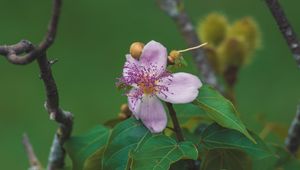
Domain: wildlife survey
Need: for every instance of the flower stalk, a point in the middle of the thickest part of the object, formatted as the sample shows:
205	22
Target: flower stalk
176	126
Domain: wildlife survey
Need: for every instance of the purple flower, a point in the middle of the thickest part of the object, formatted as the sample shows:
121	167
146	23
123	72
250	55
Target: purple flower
150	82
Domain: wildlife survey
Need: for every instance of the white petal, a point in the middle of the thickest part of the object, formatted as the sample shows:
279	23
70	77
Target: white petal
154	56
134	100
129	64
152	114
182	88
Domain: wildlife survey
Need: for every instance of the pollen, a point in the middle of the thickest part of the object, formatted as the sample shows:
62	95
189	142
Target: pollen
147	88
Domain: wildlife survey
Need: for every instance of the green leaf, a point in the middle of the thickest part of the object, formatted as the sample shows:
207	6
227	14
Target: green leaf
83	147
130	139
159	152
215	136
226	159
187	111
220	110
124	137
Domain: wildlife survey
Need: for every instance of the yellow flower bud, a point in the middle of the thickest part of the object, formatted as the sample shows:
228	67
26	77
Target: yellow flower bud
124	108
248	29
136	49
213	28
122	116
174	54
233	52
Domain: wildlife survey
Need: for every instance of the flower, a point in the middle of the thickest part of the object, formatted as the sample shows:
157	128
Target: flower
150	81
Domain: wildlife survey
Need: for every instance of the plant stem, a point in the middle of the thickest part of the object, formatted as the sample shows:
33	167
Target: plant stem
179	135
175	121
230	77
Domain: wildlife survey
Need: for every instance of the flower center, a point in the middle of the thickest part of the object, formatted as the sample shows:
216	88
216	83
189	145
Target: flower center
147	88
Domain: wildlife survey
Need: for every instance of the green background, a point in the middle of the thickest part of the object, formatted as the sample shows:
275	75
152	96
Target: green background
94	36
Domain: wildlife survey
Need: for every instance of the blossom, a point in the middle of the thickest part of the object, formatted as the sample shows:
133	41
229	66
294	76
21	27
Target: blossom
150	83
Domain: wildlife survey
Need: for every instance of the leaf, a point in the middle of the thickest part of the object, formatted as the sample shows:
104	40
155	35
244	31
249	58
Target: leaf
81	148
187	111
220	110
215	136
226	159
124	137
159	152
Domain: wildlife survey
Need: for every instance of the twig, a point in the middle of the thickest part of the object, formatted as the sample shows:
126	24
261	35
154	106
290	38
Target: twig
286	29
177	128
12	52
174	9
33	160
293	139
65	119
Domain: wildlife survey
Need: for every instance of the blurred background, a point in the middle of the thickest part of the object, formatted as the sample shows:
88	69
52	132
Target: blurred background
93	38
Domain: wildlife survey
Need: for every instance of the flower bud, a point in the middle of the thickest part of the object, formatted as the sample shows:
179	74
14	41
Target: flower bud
233	52
136	49
213	29
124	108
174	54
122	116
248	29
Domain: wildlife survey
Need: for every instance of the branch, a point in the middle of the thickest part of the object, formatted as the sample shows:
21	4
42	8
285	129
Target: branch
286	29
33	160
293	139
65	119
174	9
12	52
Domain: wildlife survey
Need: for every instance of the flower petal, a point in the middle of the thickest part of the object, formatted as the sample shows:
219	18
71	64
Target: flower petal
154	56
130	64
182	88
152	114
134	100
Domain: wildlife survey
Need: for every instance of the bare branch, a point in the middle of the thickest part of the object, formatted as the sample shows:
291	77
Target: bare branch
286	29
174	9
293	139
33	160
12	52
65	119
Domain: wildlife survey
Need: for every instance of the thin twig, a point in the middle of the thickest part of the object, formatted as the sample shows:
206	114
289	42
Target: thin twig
293	139
33	160
174	9
65	119
286	29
